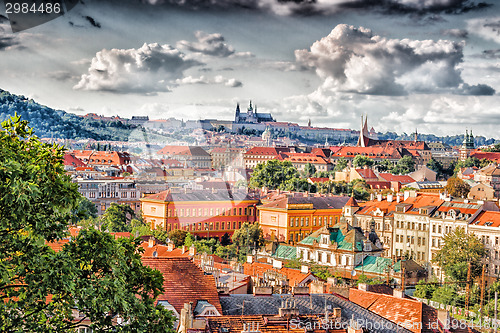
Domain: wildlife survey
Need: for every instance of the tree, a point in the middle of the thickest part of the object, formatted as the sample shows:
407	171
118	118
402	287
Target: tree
248	236
435	165
86	209
117	218
99	276
361	161
424	290
457	187
177	236
384	165
341	164
273	174
460	248
404	166
225	239
309	169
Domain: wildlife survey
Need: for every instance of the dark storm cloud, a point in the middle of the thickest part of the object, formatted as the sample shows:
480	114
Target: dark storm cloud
93	22
325	7
457	33
7	42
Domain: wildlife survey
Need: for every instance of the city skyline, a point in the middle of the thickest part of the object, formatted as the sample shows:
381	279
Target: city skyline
406	64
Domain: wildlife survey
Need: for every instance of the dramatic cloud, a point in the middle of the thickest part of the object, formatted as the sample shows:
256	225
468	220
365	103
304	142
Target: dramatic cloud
7	40
219	79
488	29
212	45
325	7
456	33
438	114
149	69
354	60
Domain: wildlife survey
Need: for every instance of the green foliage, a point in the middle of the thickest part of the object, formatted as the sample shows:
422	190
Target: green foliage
341	164
86	209
189	239
460	248
249	236
227	252
273	175
424	290
384	165
435	166
404	166
117	218
177	236
48	122
457	187
309	169
321	272
446	294
361	161
94	273
471	162
294	263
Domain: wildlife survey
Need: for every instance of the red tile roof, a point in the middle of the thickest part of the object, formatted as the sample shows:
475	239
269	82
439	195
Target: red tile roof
487	217
352	202
72	160
367	173
319	179
492	156
295	276
162	251
184	282
396	178
183	151
268	151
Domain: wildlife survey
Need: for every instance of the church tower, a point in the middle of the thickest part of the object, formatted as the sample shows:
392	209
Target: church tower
364	136
237	115
467	146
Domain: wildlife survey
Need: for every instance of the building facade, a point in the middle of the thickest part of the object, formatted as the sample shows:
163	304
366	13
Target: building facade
203	213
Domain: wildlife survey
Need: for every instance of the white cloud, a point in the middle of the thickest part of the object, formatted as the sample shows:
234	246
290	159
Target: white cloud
149	69
219	79
487	28
355	60
211	45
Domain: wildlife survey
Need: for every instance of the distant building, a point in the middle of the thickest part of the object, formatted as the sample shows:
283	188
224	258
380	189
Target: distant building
251	116
191	156
138	120
467	146
290	217
203	213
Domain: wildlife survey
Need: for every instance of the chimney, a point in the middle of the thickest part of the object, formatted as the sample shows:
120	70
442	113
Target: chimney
192	250
249	259
372	196
444	318
184	249
354	326
170	246
363	286
399	293
151	241
379	197
406	195
390	197
398	198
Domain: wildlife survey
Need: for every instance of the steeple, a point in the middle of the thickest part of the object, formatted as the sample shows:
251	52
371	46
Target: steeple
416	135
364	136
237	115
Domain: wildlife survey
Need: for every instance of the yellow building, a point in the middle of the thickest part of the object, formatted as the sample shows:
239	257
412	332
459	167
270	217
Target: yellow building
291	217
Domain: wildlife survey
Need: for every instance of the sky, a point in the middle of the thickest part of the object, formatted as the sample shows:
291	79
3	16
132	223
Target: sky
426	65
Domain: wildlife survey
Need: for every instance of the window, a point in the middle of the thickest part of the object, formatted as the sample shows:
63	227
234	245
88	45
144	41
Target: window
314	221
217	212
216	225
153	209
182	212
320	220
307	221
423	241
419	240
433	242
246	211
291	222
133	194
301	221
223	225
439	229
239	211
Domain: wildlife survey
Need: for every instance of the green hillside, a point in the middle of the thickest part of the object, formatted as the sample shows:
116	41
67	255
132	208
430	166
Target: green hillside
50	123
